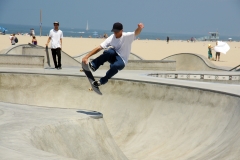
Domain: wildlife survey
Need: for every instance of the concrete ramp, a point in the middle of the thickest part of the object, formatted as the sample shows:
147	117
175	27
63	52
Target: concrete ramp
31	50
21	61
148	121
194	62
67	60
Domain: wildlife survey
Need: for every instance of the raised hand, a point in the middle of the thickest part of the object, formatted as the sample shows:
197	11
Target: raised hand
140	25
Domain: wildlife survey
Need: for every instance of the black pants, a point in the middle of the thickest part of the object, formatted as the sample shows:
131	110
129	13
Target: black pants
56	52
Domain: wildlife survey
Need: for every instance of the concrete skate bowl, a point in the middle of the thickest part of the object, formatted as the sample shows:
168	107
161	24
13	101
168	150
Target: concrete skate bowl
148	121
28	49
194	62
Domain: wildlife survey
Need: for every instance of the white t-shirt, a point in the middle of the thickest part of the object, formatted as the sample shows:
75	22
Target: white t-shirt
13	39
55	38
121	45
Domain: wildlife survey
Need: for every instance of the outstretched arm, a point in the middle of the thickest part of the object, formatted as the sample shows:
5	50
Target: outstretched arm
94	51
139	29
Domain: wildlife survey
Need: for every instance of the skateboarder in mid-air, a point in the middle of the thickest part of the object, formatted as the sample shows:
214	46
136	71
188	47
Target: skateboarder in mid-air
119	48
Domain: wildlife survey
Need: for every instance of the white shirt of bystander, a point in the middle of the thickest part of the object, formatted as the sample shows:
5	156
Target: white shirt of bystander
55	38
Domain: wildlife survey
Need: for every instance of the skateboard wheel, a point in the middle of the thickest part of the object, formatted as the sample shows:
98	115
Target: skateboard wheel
90	89
81	70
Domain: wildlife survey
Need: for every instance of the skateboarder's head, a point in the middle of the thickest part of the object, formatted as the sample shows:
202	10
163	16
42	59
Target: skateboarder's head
117	29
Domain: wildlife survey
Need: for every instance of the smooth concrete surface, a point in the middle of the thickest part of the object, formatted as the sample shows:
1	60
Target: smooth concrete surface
29	49
21	61
145	65
33	132
151	65
66	59
148	117
194	62
14	49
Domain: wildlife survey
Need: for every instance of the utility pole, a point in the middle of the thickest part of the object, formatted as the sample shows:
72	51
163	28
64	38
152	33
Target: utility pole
40	23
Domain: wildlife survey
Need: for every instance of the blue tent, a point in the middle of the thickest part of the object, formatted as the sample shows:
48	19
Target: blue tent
4	29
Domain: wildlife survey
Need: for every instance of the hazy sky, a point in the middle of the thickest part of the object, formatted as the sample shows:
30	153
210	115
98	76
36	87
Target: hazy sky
163	16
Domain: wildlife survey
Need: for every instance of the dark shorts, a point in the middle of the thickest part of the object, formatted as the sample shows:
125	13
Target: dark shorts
217	53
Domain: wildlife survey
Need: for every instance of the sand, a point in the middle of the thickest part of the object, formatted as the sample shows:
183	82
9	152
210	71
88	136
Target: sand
147	49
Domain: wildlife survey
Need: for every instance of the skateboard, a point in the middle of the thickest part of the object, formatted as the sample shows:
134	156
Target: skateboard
90	77
48	61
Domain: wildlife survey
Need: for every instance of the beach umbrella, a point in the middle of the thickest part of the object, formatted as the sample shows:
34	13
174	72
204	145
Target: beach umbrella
222	47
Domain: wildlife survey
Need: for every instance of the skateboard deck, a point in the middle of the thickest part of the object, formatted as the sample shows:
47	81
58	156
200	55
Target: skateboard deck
48	60
90	77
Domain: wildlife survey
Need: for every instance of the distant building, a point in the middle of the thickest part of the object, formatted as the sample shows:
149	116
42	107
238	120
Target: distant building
213	36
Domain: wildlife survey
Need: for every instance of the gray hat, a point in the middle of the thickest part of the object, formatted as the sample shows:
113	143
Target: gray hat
56	22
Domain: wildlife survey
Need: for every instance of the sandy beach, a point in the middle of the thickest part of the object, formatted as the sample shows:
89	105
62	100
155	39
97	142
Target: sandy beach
147	49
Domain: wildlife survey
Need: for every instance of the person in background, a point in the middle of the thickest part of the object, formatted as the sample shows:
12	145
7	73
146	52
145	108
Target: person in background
34	40
10	37
209	51
217	54
13	39
168	40
55	36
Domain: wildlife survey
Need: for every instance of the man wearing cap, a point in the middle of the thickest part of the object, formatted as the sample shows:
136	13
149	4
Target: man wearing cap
118	48
55	36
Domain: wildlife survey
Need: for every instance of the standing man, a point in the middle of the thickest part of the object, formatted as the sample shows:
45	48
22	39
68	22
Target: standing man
55	36
118	48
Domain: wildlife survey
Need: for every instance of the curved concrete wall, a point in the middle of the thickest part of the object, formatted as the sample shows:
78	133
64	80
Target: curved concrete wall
193	62
147	120
28	49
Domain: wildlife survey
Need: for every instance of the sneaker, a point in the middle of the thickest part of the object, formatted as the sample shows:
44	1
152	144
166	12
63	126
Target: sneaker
59	67
91	66
96	83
